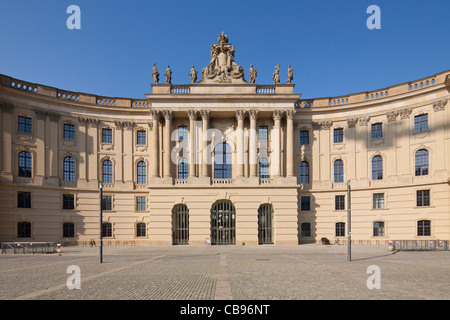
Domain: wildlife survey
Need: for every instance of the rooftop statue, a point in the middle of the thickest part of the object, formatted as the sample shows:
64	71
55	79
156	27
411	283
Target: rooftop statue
193	75
276	74
253	73
155	73
222	68
290	74
168	75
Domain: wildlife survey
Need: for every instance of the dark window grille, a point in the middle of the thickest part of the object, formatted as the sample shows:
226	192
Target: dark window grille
378	229
377	168
107	203
421	161
338	171
377	131
340	229
339	202
180	224
23	229
107	135
68	230
423	198
68	201
306	229
69	132
141	229
69	169
378	201
223	223
141	137
25	164
424	228
421	123
24	125
265	224
338	135
222	161
23	199
304	138
305	203
106	229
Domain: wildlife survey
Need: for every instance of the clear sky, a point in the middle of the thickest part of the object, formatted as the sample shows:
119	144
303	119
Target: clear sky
327	41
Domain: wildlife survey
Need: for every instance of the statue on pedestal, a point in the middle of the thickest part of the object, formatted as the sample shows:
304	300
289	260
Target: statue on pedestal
276	75
193	75
155	73
168	75
253	73
290	74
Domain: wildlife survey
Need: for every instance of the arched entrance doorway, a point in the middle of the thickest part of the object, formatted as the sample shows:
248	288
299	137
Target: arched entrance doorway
223	223
265	224
180	224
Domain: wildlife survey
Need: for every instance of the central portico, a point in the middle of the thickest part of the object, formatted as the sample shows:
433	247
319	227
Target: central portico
236	141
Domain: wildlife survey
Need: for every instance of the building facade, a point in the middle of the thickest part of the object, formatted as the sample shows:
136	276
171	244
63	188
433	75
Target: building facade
224	161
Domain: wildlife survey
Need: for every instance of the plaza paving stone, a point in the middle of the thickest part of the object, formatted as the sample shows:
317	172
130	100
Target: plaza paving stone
305	272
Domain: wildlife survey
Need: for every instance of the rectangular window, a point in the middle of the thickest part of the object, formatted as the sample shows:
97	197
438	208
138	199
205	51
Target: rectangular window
338	135
305	203
378	229
263	133
378	201
423	198
68	202
107	203
340	229
421	123
107	135
424	228
23	199
377	131
183	133
141	203
141	137
25	125
339	203
69	132
304	138
306	229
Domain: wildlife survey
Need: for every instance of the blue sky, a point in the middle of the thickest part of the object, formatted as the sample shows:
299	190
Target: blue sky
328	42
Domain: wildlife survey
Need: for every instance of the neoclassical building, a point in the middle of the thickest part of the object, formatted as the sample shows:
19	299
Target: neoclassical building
224	160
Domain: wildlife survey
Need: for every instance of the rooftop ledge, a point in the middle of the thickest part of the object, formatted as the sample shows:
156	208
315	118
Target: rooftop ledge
282	90
199	88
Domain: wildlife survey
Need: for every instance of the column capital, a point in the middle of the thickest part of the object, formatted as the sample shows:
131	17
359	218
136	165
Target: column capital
6	107
392	116
290	114
167	114
439	105
240	114
352	122
154	114
205	114
192	114
253	114
277	114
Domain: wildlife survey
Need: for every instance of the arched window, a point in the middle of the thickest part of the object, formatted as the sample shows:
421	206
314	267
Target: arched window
141	172
223	223
140	229
25	164
377	168
180	224
421	162
23	229
424	228
378	229
263	169
68	230
182	169
107	229
338	171
304	172
222	161
265	224
69	169
107	171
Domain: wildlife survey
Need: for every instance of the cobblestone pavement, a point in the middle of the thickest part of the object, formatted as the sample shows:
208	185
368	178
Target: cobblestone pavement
312	272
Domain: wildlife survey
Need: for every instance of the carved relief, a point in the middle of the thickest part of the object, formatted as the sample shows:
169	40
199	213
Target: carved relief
404	113
352	122
439	105
392	116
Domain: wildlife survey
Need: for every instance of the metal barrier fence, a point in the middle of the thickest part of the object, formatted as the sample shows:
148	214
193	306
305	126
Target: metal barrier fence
420	245
28	247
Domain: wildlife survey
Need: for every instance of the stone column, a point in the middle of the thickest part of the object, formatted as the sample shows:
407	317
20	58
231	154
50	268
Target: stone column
192	117
240	115
7	124
92	147
275	154
252	149
290	143
82	134
440	159
54	137
40	143
154	171
167	140
205	123
126	160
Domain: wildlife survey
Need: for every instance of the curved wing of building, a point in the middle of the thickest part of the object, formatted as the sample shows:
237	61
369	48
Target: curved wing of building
224	160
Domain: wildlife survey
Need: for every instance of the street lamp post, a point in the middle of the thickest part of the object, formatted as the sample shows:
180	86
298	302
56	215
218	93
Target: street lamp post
349	226
101	221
